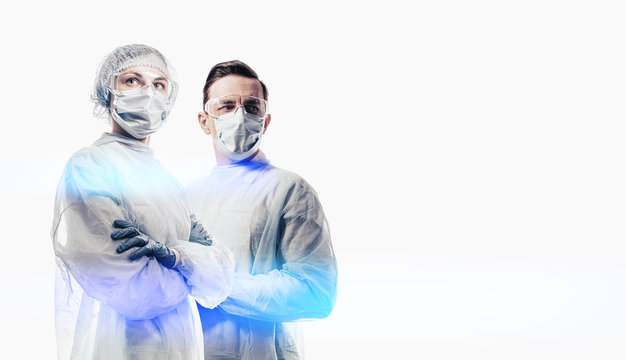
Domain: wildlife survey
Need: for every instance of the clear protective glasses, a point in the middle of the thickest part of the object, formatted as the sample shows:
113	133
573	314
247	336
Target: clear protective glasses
226	104
137	77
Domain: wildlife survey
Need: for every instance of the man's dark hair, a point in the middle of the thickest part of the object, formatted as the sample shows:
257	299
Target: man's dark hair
233	67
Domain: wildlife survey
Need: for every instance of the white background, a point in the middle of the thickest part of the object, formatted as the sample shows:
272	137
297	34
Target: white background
469	157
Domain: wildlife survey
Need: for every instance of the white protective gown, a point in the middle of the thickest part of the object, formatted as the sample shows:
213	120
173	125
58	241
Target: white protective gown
285	268
107	306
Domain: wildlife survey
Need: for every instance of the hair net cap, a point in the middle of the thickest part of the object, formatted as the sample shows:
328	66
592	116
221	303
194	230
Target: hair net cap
120	59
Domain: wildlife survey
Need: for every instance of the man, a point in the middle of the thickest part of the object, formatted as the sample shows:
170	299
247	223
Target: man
270	219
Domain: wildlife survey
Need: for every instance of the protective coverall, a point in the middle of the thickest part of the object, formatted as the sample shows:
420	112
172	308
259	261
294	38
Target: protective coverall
285	268
107	306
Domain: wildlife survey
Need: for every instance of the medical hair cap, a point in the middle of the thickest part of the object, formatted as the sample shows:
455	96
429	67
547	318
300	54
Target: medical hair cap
120	59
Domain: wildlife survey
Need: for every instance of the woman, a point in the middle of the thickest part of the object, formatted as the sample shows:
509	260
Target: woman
128	253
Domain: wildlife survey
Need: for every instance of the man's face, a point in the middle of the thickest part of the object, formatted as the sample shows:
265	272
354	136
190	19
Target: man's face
233	85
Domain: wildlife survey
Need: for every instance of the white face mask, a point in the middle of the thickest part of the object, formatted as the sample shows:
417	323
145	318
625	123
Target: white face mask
140	112
238	134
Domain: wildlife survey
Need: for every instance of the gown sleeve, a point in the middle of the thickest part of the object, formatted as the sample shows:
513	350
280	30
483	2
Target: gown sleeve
208	271
87	202
305	285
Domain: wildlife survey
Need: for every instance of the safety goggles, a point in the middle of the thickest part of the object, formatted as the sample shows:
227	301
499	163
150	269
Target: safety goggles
135	78
226	104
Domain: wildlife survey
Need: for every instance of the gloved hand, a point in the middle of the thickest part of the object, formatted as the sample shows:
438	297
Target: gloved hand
198	234
147	246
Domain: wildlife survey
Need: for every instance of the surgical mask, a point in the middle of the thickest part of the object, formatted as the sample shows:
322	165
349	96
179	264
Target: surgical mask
238	134
140	112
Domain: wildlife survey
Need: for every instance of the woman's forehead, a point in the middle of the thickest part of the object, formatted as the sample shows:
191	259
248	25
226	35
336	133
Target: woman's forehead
146	71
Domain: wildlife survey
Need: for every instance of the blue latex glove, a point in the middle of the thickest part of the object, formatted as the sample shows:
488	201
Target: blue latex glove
198	234
147	246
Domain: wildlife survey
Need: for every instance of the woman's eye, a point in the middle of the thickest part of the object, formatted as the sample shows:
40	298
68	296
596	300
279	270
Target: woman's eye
132	81
160	85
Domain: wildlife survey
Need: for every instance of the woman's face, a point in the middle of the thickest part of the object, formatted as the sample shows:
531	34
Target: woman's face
139	76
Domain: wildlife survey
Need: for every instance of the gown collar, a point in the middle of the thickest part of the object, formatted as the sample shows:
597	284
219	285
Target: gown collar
130	143
257	160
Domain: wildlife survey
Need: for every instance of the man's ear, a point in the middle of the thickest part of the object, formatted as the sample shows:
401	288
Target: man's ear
267	122
203	120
